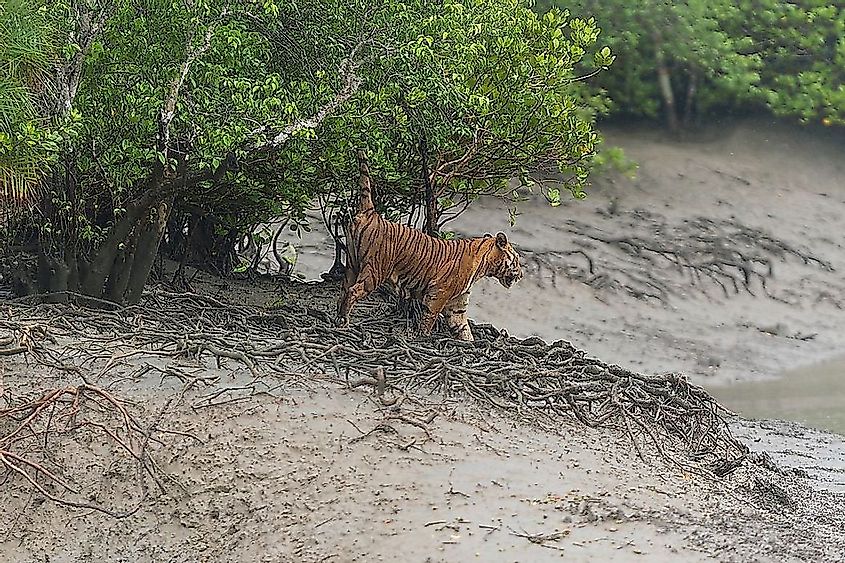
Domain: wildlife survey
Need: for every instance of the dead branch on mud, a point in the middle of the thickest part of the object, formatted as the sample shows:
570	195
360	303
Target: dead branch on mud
531	379
543	539
32	427
646	261
17	338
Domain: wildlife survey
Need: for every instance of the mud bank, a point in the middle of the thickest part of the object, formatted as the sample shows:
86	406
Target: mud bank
280	481
740	191
315	471
282	467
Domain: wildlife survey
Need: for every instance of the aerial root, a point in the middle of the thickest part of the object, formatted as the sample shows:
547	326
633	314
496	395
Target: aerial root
33	430
412	380
654	259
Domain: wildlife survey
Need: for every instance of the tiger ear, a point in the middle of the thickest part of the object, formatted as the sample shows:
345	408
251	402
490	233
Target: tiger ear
501	240
487	235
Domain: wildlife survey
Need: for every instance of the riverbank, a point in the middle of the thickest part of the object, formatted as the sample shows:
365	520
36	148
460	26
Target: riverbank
755	196
309	469
781	183
250	452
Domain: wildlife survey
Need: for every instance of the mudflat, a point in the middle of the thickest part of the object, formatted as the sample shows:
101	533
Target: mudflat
312	468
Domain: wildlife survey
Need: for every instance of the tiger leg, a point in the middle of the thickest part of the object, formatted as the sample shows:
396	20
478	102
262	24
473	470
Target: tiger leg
456	317
349	280
365	283
434	303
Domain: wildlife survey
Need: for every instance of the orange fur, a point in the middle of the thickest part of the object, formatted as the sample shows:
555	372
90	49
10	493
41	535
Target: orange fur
438	272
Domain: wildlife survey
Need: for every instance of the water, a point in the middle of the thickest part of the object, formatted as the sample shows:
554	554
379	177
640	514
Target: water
813	395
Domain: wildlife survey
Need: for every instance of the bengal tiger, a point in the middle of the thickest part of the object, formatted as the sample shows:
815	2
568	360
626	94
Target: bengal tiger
440	273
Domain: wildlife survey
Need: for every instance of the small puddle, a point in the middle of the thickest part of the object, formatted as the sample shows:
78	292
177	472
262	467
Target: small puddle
813	395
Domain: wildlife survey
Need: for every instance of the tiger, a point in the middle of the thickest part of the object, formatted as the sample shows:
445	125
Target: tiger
439	273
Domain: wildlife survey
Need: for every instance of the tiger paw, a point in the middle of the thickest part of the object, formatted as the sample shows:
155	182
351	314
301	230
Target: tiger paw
465	336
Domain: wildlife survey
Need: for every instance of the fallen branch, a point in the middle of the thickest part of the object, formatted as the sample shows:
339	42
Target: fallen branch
542	539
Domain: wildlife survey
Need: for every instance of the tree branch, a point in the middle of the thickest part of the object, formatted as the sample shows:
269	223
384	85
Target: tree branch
168	112
352	82
69	75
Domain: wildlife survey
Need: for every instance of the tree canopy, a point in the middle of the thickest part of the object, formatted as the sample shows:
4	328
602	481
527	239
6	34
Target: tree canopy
693	56
28	48
802	47
135	124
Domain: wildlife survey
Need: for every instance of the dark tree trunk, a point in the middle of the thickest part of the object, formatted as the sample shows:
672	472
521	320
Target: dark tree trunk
118	279
431	212
72	260
103	262
53	275
174	244
22	280
147	248
338	270
120	266
212	245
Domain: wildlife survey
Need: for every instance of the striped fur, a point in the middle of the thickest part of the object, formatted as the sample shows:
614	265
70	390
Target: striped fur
438	272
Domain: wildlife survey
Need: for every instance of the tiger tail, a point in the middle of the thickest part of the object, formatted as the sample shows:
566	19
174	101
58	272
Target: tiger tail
366	199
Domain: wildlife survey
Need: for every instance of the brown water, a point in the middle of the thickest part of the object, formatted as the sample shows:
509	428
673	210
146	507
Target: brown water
813	395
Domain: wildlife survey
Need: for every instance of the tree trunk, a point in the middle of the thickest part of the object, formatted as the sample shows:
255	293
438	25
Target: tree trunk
338	269
104	260
148	243
664	81
53	278
118	279
174	244
211	250
22	282
431	212
118	269
72	261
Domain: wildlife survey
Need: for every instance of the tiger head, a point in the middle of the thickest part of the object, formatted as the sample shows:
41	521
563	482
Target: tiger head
504	261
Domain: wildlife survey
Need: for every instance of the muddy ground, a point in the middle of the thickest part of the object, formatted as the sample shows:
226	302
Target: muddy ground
737	183
296	475
311	470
